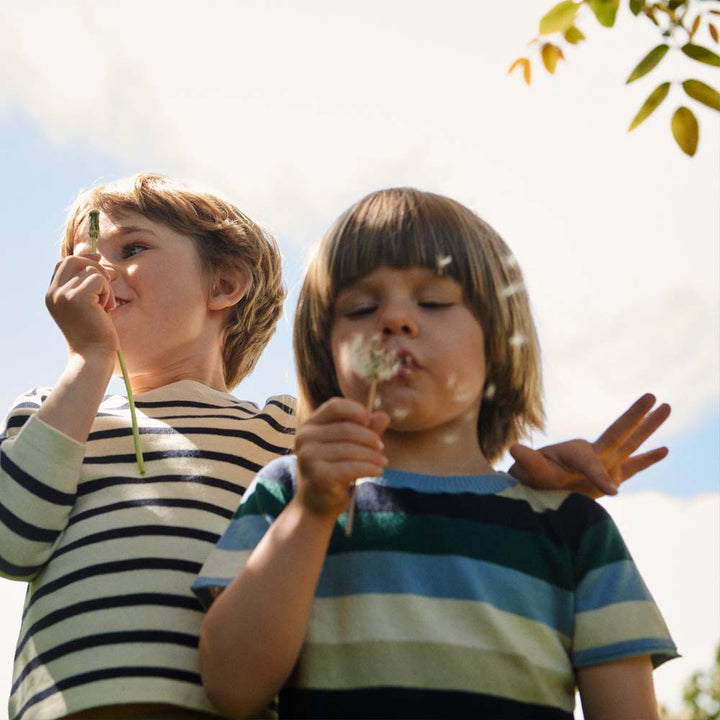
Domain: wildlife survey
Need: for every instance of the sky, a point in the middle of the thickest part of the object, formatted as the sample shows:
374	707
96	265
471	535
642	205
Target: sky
294	110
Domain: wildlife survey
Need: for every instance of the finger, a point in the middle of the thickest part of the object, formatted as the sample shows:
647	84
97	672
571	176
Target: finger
625	424
531	466
335	432
637	463
648	426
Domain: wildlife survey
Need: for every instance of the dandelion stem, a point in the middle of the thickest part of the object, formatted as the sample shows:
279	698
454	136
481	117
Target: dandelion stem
93	232
353	488
133	417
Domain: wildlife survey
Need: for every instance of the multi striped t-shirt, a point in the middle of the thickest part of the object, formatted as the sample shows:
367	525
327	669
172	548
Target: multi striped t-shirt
109	554
469	596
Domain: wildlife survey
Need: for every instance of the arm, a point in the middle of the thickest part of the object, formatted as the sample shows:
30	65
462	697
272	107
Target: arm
40	463
254	631
618	690
600	467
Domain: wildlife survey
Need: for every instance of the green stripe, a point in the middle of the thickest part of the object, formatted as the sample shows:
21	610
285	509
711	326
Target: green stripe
432	665
528	552
600	545
267	498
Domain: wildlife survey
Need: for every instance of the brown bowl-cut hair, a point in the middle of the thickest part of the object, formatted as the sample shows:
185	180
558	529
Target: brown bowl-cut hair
224	237
405	227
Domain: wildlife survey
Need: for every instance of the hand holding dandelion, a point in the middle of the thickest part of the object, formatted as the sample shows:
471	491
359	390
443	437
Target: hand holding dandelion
375	363
93	232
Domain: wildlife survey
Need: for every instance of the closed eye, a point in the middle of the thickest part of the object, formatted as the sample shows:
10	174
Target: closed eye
361	311
434	304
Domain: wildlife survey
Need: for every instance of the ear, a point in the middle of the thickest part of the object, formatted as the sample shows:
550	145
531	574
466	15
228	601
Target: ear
228	287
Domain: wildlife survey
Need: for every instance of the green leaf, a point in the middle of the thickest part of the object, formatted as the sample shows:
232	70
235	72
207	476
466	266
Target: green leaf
605	11
701	54
648	62
702	93
559	18
685	130
651	104
636	6
574	35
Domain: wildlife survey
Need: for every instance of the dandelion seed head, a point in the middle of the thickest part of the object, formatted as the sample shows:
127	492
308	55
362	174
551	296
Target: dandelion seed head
371	360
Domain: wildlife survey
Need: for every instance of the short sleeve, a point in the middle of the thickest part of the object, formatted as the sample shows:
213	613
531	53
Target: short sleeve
615	614
266	497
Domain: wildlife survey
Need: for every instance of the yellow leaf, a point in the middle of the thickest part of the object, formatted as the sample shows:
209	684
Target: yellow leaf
694	27
713	32
685	130
524	63
550	55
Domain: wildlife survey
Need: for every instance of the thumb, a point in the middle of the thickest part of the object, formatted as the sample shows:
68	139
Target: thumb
378	421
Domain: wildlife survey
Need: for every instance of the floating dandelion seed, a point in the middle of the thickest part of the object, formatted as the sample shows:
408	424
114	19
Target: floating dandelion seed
399	413
510	261
93	232
513	289
517	340
375	363
490	390
442	262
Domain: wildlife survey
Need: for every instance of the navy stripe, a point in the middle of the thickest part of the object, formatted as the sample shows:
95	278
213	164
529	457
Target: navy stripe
29	483
152	502
412	703
110	674
138	532
195	404
14	421
252	437
184	602
91	486
18	572
162	455
118	566
110	638
25	529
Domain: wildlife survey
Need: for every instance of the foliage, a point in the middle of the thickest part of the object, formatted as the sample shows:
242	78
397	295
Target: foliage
677	21
701	695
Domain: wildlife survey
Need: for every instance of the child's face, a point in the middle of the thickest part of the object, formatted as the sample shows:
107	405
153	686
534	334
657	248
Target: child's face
160	288
423	318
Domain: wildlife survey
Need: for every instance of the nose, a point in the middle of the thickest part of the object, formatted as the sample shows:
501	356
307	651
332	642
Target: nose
397	318
107	264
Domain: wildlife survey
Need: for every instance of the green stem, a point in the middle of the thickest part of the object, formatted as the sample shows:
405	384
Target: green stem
93	231
133	417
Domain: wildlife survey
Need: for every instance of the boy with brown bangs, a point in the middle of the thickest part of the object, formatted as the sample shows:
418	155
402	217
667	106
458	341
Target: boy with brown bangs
457	592
190	289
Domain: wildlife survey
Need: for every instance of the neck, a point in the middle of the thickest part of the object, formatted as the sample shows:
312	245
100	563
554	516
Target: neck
200	368
435	452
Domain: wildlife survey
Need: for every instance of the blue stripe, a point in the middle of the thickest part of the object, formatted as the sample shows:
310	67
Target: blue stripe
661	649
448	577
244	533
615	583
480	484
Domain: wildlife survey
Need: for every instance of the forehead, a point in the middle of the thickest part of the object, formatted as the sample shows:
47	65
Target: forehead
123	225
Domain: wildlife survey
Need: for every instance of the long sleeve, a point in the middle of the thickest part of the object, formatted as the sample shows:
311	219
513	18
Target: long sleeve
39	473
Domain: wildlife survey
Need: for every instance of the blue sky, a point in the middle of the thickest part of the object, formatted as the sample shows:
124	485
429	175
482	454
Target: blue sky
295	110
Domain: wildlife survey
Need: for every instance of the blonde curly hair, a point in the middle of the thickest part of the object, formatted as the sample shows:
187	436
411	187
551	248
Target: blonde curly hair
224	237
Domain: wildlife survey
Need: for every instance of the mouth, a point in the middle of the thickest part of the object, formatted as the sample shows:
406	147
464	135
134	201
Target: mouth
119	302
408	363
